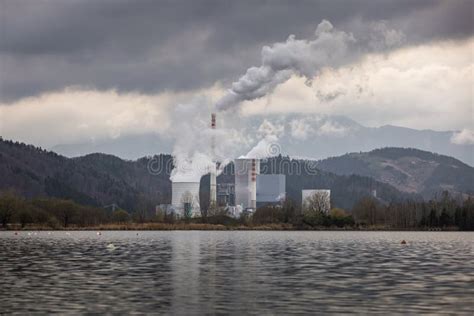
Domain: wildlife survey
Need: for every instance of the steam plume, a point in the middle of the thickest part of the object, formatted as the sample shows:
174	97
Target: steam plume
192	135
329	48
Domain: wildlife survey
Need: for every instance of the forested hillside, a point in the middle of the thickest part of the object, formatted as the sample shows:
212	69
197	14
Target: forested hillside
95	179
409	170
101	180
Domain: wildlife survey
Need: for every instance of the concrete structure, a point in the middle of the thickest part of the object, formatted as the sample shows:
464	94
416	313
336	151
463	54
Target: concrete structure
271	189
185	198
225	194
246	171
213	178
321	197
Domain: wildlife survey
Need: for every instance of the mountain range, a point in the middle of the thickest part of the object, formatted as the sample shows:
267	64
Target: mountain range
310	136
409	170
102	179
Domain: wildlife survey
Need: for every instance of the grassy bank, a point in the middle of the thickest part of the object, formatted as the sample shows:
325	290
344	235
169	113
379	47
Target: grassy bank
213	227
157	226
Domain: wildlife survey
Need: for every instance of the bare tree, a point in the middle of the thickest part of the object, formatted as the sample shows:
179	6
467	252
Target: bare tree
8	206
189	204
141	212
315	209
367	211
316	203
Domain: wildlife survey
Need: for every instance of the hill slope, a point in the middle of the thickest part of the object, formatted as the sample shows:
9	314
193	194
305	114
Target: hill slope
95	179
99	179
409	170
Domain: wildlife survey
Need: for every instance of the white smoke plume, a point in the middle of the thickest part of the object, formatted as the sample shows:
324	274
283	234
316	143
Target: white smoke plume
265	148
268	146
193	156
464	137
191	153
330	48
280	61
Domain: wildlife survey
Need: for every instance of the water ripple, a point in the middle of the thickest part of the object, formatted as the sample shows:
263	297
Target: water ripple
237	272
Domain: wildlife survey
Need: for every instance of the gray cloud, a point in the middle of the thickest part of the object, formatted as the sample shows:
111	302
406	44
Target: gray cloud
152	46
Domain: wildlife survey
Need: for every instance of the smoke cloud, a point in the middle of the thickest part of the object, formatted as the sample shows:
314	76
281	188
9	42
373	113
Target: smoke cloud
265	148
192	149
193	156
464	137
330	48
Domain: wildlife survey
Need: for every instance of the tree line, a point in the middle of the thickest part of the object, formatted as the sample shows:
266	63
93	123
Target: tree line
56	213
443	212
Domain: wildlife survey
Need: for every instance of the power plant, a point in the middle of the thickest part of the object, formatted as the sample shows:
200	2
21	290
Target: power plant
249	190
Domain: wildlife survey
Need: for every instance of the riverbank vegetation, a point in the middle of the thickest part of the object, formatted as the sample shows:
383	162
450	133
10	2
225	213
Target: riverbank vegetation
443	213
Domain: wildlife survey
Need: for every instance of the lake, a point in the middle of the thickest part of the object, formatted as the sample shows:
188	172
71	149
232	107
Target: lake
251	272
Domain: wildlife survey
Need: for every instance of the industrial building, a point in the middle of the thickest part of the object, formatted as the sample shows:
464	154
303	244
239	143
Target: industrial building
225	194
322	197
185	199
271	189
246	171
251	190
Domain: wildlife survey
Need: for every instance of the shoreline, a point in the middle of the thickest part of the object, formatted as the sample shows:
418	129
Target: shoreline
214	227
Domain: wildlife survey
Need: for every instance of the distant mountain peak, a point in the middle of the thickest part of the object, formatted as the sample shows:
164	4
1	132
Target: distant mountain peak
408	169
300	135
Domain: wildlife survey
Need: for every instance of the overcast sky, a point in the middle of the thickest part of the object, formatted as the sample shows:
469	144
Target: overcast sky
91	69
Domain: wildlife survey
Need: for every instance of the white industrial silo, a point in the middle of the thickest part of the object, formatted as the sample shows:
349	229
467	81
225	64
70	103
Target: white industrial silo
246	171
185	196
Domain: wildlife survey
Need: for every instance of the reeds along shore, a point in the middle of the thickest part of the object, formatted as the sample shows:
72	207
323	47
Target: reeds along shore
212	227
154	226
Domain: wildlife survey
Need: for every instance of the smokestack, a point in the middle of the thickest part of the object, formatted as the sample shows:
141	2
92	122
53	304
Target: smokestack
253	185
213	120
213	180
246	171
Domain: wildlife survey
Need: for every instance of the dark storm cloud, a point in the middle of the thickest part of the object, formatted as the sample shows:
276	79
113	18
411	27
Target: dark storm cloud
152	46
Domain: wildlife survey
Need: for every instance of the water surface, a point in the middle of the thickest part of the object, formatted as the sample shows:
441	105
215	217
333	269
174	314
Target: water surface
187	272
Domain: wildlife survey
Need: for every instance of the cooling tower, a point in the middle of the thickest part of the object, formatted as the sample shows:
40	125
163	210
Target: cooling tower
185	197
246	171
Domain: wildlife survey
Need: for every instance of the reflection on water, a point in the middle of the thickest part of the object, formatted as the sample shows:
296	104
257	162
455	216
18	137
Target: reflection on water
237	272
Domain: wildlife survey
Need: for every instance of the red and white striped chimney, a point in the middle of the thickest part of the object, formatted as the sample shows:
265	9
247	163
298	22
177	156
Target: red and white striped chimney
213	180
253	185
